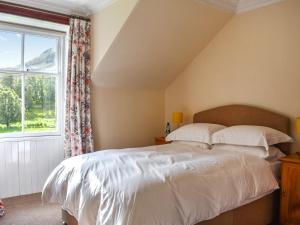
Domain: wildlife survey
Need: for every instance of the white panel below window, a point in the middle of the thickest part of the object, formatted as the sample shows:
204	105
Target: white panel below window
26	164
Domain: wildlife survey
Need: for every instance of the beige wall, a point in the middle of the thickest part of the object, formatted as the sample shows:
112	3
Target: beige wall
253	60
126	118
121	117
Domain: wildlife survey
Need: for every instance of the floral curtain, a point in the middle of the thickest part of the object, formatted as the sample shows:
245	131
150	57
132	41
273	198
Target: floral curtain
2	209
78	131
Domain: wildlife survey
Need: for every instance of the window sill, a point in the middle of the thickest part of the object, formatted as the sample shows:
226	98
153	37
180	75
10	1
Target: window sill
29	137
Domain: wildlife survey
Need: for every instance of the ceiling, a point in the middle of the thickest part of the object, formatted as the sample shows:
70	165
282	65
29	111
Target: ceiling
79	7
88	7
239	6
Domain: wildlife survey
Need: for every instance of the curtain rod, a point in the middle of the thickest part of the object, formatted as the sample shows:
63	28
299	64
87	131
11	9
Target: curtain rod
27	11
80	17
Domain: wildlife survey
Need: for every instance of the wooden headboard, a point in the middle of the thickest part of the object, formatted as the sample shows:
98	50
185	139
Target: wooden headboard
231	115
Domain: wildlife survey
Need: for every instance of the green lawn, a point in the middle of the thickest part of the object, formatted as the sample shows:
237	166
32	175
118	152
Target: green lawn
13	129
36	120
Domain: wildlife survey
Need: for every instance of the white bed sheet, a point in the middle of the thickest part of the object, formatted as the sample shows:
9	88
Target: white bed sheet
275	167
169	184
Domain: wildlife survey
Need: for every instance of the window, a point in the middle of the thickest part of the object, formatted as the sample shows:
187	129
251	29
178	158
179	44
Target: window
31	75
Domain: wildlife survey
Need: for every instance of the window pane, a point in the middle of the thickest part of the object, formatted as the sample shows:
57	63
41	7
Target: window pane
10	50
40	103
10	103
40	54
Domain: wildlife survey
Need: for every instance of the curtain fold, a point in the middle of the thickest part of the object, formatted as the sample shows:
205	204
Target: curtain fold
2	209
78	130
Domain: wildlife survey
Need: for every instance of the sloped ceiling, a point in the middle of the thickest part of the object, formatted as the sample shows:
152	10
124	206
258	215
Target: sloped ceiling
157	42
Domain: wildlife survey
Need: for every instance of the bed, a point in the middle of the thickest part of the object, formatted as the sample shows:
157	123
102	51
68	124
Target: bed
261	211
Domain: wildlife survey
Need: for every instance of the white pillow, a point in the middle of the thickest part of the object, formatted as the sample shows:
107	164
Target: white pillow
193	143
272	153
200	132
250	136
275	154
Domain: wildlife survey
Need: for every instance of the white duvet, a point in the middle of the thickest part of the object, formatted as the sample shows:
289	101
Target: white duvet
172	184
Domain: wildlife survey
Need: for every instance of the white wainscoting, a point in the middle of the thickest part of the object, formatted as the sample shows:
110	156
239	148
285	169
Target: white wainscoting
25	164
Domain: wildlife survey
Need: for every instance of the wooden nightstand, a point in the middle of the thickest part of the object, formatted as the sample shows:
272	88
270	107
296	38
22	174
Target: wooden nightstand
290	190
161	141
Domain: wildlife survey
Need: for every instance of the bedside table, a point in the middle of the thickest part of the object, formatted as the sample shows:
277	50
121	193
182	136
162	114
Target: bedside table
161	141
290	190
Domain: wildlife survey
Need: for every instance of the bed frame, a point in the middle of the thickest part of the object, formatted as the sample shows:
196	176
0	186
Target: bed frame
263	211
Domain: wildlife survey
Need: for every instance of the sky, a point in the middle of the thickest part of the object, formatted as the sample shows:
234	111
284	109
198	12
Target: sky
10	47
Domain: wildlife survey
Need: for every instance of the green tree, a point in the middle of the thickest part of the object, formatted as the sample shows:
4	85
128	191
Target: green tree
13	82
40	91
10	106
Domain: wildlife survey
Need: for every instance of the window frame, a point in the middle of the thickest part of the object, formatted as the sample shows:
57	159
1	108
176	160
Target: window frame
60	76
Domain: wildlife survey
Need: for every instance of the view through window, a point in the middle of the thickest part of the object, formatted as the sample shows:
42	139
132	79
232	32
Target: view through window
30	72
